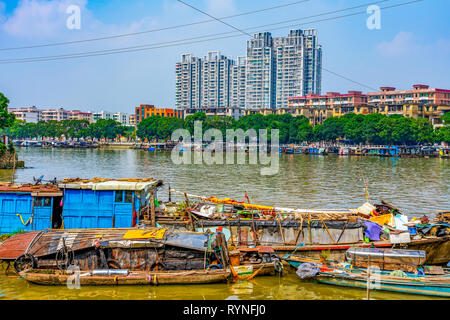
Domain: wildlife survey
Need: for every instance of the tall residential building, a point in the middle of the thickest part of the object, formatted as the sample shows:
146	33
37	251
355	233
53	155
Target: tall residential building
298	65
215	80
203	83
237	85
188	75
273	70
260	72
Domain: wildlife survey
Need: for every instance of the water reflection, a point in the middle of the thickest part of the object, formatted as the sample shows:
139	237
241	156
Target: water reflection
415	185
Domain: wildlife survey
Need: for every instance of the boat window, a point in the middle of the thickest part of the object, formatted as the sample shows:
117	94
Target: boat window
42	202
119	196
128	196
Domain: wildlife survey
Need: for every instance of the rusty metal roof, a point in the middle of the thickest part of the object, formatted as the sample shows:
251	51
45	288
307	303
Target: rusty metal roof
15	246
29	188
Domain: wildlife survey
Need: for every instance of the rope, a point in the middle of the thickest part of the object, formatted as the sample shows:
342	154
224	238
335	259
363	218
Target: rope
21	219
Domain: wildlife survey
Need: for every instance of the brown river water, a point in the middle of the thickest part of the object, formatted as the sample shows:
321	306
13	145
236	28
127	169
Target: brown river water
416	186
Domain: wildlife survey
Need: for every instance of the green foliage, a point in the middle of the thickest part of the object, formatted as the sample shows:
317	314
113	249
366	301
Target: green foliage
2	149
446	118
6	118
109	129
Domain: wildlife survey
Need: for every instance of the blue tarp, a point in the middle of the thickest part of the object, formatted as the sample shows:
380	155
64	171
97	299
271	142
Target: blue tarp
372	230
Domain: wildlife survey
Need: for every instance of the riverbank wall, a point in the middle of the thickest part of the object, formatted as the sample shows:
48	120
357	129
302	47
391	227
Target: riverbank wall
10	161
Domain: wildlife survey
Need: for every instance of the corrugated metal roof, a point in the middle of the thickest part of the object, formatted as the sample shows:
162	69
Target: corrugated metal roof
29	188
110	184
15	246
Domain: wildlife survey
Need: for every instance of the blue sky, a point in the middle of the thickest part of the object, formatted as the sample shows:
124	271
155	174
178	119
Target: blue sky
412	46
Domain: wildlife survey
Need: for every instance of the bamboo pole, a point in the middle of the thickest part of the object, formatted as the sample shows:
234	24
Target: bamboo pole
189	212
327	229
281	229
299	230
368	279
152	207
309	228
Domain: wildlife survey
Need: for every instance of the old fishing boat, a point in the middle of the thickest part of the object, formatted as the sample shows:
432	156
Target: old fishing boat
125	277
129	256
305	230
408	275
133	249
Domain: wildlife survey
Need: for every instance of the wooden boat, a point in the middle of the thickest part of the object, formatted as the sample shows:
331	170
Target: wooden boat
421	285
285	230
124	277
390	270
56	277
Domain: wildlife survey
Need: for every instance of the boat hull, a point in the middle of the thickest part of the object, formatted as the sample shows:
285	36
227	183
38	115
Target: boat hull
135	278
437	249
395	285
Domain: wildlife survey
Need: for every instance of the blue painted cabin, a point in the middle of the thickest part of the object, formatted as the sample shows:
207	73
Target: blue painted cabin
25	209
74	204
110	204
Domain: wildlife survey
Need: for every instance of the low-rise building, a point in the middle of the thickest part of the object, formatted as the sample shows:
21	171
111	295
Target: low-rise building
132	120
55	115
419	102
121	117
145	111
31	114
234	112
80	115
106	115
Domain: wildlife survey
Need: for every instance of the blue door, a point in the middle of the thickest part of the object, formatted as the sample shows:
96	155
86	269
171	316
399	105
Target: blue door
123	208
42	215
15	212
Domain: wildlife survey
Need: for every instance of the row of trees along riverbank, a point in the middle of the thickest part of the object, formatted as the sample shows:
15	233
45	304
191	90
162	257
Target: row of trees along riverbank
369	129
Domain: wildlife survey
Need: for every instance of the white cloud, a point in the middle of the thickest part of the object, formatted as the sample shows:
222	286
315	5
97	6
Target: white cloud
399	46
40	18
406	45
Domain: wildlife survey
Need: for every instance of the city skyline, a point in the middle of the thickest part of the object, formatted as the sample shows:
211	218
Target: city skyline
122	82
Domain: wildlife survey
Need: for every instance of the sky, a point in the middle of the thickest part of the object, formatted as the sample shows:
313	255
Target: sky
411	47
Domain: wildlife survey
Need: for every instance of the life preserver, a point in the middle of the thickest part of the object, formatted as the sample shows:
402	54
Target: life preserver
24	259
214	266
278	265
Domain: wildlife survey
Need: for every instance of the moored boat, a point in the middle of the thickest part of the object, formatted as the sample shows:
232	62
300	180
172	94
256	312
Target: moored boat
381	269
95	278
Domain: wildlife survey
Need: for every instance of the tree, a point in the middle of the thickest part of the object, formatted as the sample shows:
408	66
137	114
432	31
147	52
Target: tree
6	118
423	131
190	120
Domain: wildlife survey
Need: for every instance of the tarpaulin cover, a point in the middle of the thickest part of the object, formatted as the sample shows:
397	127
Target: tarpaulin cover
110	185
308	270
372	230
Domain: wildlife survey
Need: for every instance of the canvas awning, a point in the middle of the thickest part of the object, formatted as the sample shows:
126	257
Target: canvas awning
133	185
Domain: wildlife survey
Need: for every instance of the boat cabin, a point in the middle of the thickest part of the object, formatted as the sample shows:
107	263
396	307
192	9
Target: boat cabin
29	207
104	203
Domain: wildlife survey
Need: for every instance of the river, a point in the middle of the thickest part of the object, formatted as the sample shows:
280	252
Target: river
416	186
